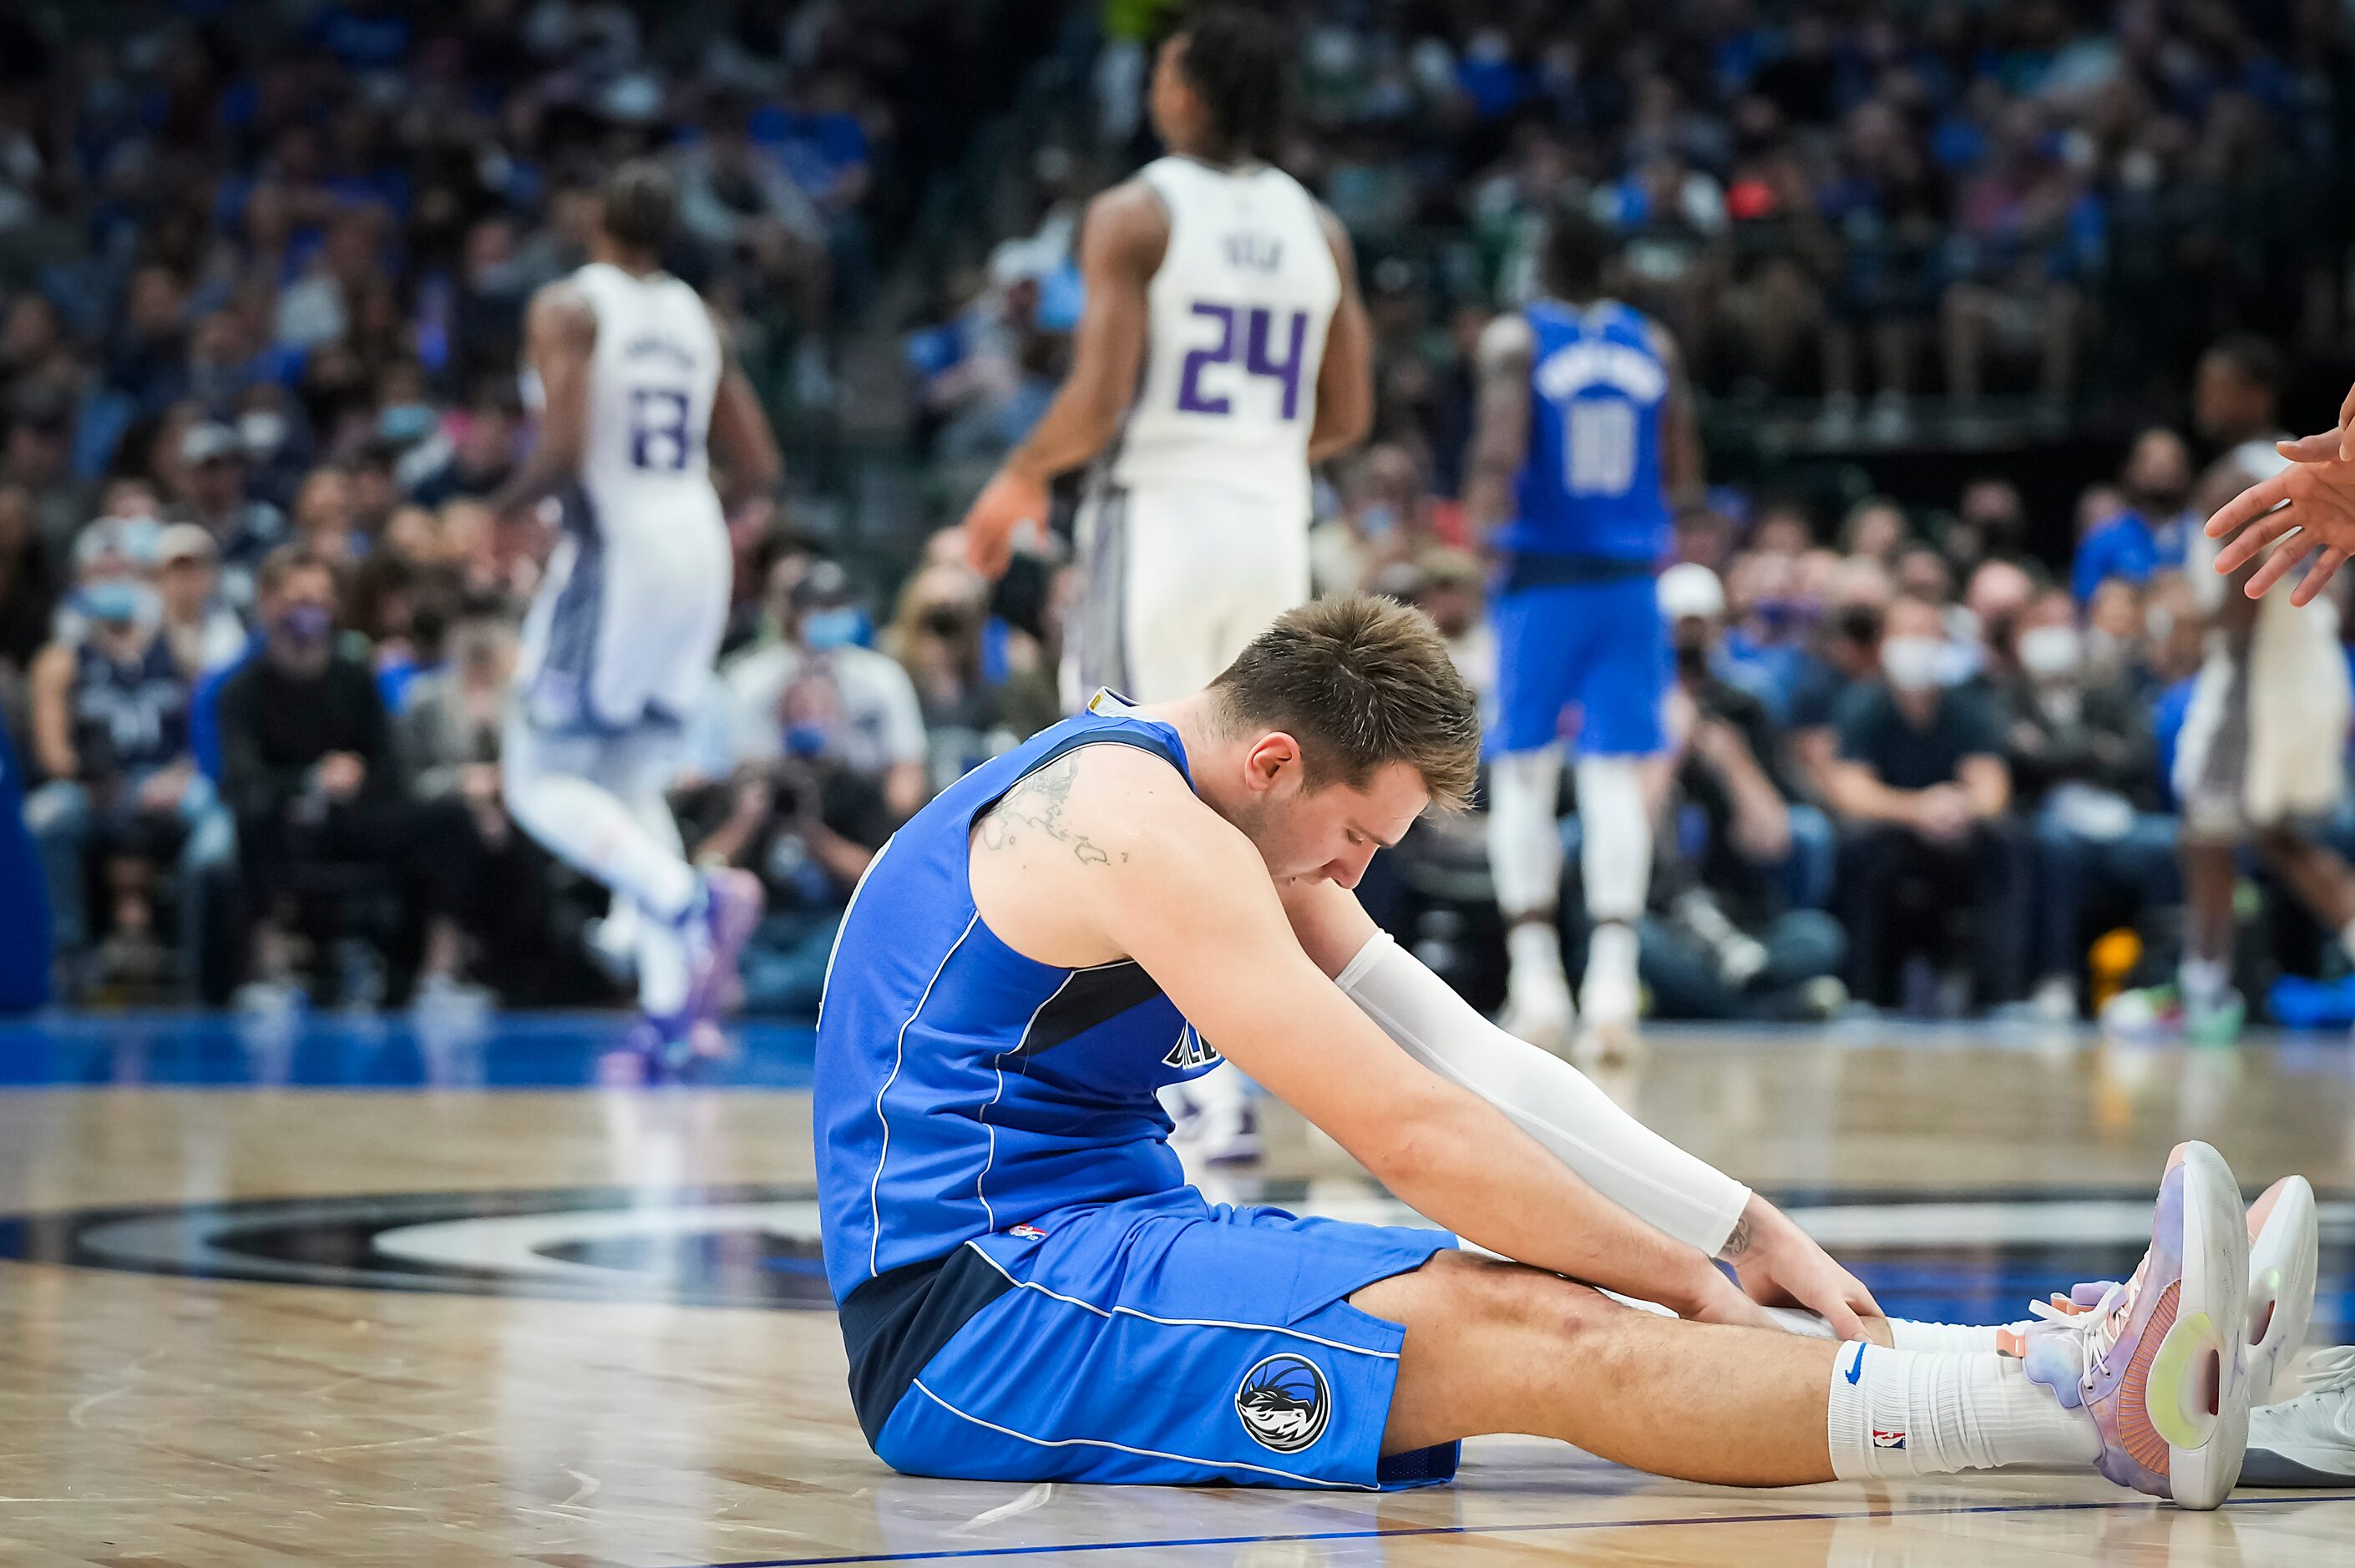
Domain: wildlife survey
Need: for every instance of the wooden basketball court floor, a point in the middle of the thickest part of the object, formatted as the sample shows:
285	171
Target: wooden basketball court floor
358	1295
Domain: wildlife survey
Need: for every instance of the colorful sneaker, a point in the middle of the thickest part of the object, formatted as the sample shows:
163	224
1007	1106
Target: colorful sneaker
2283	1256
2160	1362
2160	1012
716	932
2308	1441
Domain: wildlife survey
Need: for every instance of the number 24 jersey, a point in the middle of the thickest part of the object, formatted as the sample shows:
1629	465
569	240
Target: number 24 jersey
1237	314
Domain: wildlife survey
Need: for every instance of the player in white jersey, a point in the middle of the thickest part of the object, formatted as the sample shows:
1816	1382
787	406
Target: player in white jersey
2259	759
1222	350
634	382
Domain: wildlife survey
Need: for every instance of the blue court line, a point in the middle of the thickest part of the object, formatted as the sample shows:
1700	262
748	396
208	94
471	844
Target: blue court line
973	1552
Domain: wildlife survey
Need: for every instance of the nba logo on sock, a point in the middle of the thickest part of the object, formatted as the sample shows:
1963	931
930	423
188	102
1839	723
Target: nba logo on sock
1888	1439
1284	1404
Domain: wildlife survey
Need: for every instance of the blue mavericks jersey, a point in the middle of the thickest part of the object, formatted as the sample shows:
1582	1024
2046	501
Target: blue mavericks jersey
962	1088
1590	484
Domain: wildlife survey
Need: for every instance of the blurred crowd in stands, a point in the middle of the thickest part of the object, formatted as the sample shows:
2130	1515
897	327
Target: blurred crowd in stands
260	301
1901	220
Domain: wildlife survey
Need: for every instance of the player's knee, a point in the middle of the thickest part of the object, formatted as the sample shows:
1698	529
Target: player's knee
1514	1296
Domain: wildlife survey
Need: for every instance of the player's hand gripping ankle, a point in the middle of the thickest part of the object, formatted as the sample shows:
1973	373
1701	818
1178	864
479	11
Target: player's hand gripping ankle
1781	1266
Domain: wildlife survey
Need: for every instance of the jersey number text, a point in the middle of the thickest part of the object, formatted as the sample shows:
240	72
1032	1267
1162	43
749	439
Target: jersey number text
658	437
1259	332
1599	441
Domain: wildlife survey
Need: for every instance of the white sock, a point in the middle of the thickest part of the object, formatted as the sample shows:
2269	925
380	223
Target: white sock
591	830
1524	833
1611	950
1534	948
1956	1339
1896	1413
1614	856
2205	981
1952	1339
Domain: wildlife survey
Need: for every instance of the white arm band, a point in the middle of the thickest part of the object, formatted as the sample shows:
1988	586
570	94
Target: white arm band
1546	1098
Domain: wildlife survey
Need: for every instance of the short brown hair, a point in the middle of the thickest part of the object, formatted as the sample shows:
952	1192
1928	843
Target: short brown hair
1360	682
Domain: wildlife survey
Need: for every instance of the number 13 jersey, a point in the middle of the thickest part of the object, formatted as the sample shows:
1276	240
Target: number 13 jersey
651	385
630	614
1235	333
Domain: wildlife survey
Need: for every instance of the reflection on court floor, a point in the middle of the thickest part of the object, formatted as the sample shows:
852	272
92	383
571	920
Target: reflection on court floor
365	1291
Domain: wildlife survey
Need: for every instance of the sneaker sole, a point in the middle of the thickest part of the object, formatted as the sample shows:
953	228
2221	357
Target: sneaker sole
2298	1467
2283	1263
2196	1387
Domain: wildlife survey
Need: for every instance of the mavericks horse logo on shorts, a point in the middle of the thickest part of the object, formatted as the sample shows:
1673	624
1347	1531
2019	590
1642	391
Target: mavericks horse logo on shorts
1284	1404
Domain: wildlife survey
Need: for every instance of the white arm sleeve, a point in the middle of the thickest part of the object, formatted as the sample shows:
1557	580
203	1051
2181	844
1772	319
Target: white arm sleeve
1546	1098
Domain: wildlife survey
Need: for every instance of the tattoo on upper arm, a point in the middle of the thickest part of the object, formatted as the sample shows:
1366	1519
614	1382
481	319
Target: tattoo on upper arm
1036	806
1738	1243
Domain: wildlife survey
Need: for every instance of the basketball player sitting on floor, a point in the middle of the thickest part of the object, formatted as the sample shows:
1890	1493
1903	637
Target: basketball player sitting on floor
1028	1290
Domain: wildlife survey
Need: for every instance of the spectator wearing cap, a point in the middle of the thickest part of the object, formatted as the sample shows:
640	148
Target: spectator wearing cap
203	634
829	750
1750	838
110	727
1923	794
212	496
879	727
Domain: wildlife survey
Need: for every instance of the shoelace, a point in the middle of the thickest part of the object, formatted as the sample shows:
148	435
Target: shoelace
2101	1323
2329	1371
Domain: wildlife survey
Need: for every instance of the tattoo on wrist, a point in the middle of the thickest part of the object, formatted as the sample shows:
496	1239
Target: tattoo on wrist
1738	1243
1035	804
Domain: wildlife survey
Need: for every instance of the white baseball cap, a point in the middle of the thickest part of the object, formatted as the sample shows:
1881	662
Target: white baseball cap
1689	590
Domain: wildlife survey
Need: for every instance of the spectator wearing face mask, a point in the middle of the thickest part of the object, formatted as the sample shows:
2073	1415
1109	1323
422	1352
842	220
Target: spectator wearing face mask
877	726
2149	533
1846	653
109	725
2085	765
309	768
804	815
1921	791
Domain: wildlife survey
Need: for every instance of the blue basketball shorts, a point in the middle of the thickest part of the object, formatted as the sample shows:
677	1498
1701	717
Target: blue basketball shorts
1598	648
1160	1340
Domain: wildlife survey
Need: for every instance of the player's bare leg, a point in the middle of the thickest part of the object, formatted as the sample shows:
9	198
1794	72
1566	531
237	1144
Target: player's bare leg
2148	1387
2318	877
1495	1347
